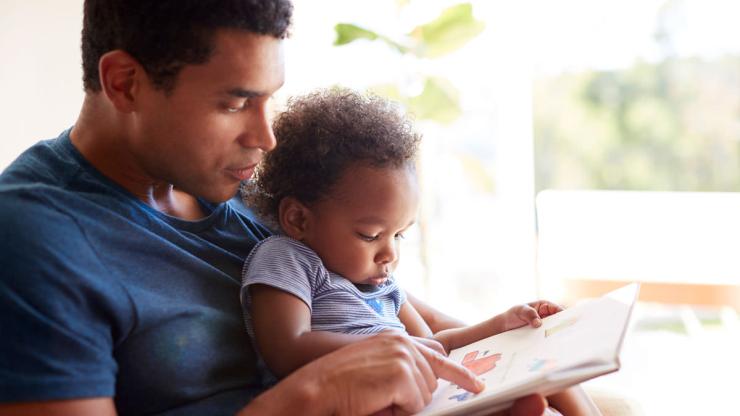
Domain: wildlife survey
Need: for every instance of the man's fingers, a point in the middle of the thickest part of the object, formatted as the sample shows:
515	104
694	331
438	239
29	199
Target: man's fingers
433	344
425	389
449	370
428	371
409	393
529	405
424	368
388	411
397	411
416	377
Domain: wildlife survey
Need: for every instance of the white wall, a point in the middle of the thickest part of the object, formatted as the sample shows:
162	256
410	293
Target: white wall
488	243
40	75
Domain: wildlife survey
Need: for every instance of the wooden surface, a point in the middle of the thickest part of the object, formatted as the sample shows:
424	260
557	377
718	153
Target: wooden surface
670	293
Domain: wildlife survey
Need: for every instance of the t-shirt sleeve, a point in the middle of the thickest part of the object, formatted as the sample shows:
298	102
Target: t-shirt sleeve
284	264
401	299
58	334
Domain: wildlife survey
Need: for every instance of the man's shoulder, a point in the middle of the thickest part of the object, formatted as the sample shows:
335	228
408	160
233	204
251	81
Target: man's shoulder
33	221
48	162
45	208
51	186
41	179
41	204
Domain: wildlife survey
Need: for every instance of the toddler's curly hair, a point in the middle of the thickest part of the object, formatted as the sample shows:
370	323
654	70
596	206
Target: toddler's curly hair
320	135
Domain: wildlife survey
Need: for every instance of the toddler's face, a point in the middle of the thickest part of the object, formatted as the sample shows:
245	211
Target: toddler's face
357	228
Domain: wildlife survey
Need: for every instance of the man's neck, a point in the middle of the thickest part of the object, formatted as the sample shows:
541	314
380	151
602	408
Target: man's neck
100	137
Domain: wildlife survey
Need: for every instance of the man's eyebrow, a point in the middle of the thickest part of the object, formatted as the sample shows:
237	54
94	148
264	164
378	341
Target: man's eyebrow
242	93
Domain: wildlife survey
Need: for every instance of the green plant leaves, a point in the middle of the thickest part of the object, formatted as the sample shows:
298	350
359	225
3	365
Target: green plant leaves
451	30
455	27
348	33
439	101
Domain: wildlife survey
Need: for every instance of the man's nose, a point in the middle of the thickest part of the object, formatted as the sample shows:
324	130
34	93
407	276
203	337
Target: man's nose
258	132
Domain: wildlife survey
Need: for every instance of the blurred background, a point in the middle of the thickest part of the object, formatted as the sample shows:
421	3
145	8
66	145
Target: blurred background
570	146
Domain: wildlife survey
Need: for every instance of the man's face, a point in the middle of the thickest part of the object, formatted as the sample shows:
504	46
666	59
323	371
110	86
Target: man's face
207	134
356	229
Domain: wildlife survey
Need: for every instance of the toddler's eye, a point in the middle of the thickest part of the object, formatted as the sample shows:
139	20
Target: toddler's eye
399	236
367	237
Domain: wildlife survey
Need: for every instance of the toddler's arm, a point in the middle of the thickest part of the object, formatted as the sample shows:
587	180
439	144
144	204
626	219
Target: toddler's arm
520	315
282	328
434	318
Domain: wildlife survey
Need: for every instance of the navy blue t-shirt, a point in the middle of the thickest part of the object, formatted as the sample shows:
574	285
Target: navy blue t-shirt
103	296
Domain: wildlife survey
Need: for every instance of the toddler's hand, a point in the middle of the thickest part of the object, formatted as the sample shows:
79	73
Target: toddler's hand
529	314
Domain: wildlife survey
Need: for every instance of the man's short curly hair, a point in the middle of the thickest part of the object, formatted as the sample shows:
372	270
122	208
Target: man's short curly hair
166	35
320	135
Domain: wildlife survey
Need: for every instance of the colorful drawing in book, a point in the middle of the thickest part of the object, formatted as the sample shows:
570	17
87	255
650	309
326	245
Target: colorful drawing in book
560	326
462	396
480	365
542	364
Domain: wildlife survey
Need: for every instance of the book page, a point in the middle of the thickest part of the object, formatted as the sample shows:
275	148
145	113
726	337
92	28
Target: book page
520	361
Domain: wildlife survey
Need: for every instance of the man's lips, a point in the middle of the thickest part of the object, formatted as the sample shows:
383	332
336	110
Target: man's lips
241	173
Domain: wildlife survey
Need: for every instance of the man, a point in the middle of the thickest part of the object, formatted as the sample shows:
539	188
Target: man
123	244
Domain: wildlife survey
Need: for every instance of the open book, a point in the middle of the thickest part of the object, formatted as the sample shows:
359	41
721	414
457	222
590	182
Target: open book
577	344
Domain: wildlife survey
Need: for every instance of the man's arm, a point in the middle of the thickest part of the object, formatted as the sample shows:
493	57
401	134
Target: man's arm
380	375
102	406
385	370
56	308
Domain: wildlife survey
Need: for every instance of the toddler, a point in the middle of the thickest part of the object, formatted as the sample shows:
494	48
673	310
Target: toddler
341	189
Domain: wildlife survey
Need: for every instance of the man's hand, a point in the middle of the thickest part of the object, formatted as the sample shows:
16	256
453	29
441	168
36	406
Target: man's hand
534	405
430	343
390	373
528	314
390	370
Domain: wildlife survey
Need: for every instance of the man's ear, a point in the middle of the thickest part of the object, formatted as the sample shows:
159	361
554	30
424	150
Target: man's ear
294	218
120	75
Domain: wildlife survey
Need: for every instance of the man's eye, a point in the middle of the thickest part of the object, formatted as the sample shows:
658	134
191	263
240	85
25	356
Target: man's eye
367	237
236	108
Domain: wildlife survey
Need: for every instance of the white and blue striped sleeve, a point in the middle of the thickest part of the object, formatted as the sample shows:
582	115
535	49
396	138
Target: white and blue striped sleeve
400	300
282	263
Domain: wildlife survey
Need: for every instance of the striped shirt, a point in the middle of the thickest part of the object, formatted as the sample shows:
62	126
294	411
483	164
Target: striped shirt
336	304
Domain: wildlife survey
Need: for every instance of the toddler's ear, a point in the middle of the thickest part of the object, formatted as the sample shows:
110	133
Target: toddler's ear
293	216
